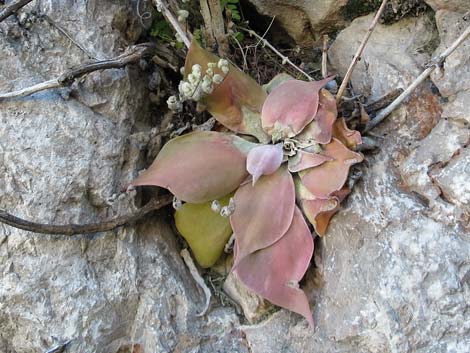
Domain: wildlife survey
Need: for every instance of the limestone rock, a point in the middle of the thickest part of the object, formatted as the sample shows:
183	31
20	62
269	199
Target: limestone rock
451	5
393	57
304	20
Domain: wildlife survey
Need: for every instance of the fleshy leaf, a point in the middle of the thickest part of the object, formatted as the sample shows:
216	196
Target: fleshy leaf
263	212
264	160
206	231
274	272
322	220
329	177
349	138
200	166
290	107
320	129
236	103
303	160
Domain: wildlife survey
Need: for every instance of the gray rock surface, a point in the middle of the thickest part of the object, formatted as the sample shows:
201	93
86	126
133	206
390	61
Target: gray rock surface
304	20
451	5
392	274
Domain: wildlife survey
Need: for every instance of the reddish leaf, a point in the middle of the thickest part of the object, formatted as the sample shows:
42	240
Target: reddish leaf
320	211
304	160
329	177
200	166
320	130
263	212
237	101
274	272
349	138
264	160
290	107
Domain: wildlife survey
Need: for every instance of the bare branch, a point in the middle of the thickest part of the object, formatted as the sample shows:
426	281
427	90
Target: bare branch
324	57
437	62
163	7
10	9
285	59
131	56
359	51
73	229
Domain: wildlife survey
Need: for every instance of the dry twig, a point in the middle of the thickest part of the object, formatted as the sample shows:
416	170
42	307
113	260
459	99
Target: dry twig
285	59
72	229
359	51
10	9
437	62
131	56
324	57
163	7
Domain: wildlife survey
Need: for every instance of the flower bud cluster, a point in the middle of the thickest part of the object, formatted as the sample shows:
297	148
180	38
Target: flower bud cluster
199	84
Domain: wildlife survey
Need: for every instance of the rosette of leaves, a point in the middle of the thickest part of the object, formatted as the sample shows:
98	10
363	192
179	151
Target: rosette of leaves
293	168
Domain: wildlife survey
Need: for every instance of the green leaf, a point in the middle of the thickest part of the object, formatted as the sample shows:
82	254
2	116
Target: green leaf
206	231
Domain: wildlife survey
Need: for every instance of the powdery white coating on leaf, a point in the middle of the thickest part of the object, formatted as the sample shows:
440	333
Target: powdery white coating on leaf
329	177
274	272
199	167
264	160
263	212
290	107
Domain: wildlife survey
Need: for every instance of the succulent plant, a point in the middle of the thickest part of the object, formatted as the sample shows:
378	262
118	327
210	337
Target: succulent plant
286	159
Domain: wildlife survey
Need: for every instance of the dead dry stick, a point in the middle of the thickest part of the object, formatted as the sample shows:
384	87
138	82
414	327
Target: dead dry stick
162	6
285	59
359	51
131	56
10	9
73	229
437	62
324	57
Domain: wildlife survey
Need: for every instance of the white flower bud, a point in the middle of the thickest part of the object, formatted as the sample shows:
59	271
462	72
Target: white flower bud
178	38
182	70
215	206
193	79
221	63
211	65
217	79
174	104
182	15
185	88
177	203
207	86
196	70
209	72
225	69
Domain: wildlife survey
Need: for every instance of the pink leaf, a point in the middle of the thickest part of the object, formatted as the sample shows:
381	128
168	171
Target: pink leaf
200	166
320	211
274	272
290	107
349	138
320	130
264	160
263	212
329	177
304	160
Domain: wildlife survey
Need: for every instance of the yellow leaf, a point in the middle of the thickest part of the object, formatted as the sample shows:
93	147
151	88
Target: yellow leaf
206	231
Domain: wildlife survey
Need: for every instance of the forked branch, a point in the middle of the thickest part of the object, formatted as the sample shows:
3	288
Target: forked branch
73	229
131	56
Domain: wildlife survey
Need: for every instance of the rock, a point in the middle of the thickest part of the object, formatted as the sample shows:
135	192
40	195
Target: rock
393	58
64	157
304	20
455	76
451	5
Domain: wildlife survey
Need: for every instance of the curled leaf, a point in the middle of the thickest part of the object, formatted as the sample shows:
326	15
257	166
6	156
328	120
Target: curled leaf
264	160
330	176
263	212
303	160
274	272
200	166
290	107
237	101
320	129
206	231
349	138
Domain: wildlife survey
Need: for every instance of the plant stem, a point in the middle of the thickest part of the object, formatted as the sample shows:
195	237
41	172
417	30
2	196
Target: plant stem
359	51
161	5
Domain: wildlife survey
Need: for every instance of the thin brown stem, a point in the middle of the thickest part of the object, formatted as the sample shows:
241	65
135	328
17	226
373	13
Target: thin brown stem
10	9
437	62
163	7
73	229
359	51
131	56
